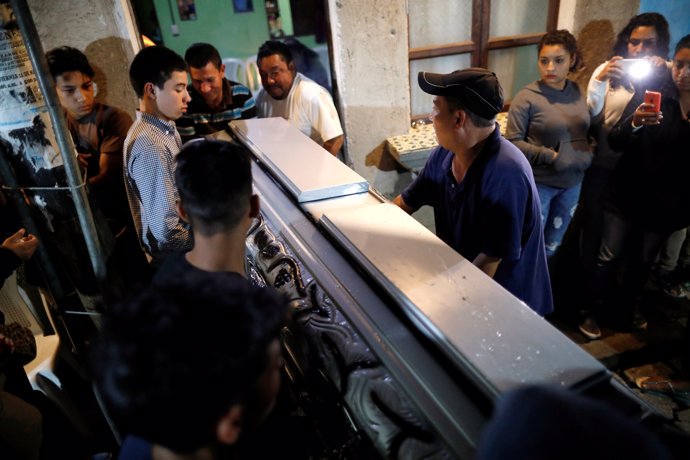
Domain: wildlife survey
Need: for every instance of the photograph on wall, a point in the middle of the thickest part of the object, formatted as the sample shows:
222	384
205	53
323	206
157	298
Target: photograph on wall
7	19
187	10
243	6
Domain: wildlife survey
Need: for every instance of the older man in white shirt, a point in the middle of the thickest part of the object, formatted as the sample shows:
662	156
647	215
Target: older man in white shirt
289	94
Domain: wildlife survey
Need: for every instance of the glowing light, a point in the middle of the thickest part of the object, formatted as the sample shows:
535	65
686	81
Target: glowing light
636	68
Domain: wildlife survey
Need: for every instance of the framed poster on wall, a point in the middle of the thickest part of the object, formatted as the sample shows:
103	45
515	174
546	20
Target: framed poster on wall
243	6
187	10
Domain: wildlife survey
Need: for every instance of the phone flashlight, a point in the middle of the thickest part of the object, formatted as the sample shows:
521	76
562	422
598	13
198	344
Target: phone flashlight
636	68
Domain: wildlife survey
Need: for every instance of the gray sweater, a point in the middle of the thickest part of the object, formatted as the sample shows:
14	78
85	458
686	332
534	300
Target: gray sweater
542	120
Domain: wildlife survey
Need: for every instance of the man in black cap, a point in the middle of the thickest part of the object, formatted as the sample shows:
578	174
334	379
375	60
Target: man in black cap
481	187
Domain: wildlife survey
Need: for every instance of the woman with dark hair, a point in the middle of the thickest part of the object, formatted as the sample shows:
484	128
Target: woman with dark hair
632	34
608	92
548	121
675	122
648	196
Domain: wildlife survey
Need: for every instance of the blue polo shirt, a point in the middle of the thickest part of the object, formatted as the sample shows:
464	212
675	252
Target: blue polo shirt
494	210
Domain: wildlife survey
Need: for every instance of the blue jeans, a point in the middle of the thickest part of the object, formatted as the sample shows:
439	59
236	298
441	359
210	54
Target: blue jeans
557	208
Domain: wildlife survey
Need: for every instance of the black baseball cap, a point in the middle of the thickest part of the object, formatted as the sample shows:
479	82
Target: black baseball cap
478	89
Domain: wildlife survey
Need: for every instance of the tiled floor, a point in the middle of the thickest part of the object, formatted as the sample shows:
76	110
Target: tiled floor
656	351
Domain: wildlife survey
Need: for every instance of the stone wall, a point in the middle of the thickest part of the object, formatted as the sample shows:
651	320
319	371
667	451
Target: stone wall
596	23
370	49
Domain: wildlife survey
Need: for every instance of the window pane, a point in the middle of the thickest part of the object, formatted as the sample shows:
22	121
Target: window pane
514	67
517	17
422	102
439	22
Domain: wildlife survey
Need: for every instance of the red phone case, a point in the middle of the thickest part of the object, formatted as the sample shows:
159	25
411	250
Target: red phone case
654	98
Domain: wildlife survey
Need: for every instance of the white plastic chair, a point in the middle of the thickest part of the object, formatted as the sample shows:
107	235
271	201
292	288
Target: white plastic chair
253	77
235	70
17	307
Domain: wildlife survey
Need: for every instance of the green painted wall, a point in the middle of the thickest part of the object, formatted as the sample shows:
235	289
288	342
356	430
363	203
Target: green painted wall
286	16
235	35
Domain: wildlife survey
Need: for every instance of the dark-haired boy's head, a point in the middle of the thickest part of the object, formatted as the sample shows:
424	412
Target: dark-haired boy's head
200	54
276	69
73	78
188	364
154	64
214	180
159	77
67	59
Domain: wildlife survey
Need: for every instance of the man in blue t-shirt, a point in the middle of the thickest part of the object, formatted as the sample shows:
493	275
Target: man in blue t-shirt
481	187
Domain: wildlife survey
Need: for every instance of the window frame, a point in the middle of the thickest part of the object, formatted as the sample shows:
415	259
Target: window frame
480	44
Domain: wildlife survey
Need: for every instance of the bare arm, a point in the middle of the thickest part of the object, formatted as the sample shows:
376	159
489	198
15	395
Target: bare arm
109	168
114	131
334	145
487	264
398	201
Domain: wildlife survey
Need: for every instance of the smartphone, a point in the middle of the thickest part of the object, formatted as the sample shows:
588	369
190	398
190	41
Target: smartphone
635	68
653	98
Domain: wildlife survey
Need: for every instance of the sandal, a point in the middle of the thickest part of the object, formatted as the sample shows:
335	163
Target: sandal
679	390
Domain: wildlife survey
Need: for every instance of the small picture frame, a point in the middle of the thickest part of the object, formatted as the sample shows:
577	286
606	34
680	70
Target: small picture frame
243	6
187	10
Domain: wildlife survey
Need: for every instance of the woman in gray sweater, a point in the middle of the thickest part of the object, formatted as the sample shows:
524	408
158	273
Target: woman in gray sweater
548	121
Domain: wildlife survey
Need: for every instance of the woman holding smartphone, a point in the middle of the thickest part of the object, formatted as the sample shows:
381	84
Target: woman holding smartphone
646	36
548	121
648	196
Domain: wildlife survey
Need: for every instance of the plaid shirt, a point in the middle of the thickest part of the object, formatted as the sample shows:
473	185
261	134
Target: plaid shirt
200	120
149	165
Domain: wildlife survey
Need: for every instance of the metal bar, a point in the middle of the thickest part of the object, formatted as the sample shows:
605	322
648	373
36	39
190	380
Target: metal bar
64	141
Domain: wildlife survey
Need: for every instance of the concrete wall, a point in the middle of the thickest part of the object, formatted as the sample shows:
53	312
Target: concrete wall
103	30
370	48
596	23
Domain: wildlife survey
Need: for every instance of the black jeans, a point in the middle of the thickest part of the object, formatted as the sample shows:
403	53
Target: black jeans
590	209
623	238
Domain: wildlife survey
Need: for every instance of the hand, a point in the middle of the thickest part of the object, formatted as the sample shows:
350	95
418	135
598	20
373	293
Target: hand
6	345
23	246
658	64
6	349
612	69
645	115
83	159
554	157
573	155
